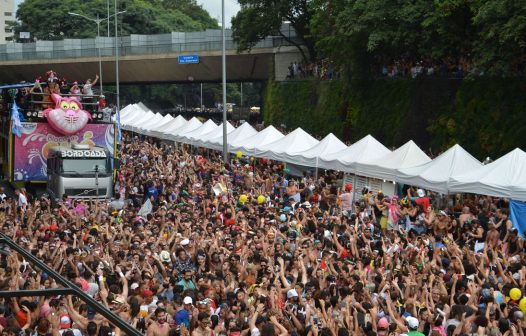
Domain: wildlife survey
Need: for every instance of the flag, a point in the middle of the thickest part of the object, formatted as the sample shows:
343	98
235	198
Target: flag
518	216
146	208
118	126
16	122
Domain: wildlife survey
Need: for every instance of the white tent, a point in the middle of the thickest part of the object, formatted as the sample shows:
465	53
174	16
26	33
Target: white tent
248	146
385	167
177	122
329	145
435	175
188	127
149	123
505	177
129	113
196	134
216	133
128	109
365	150
164	121
143	117
137	126
236	138
282	149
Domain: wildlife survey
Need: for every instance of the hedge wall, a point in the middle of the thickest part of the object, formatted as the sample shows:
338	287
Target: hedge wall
486	116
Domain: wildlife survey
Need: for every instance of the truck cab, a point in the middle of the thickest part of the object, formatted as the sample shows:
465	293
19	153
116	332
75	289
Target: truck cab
79	172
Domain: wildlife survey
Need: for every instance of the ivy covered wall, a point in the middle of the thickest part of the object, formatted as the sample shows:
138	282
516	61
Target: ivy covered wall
486	116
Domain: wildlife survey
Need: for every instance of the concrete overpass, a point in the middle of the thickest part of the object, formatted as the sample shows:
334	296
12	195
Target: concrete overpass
147	58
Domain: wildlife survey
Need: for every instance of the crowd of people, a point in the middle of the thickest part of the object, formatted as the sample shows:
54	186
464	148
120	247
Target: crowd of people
194	246
38	97
322	69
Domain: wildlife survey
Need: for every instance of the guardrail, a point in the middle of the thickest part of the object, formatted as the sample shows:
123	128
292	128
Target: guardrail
30	51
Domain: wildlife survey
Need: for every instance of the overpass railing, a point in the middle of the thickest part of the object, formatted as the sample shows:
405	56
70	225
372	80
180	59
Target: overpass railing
32	51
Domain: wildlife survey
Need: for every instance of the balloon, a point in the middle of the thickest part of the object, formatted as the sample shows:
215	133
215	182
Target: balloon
243	198
286	170
239	154
522	304
261	199
515	294
251	158
282	217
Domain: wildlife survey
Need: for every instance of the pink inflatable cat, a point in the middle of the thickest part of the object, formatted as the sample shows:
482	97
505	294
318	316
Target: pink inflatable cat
67	117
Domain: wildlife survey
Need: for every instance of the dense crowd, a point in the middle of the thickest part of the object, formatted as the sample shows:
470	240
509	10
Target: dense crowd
193	246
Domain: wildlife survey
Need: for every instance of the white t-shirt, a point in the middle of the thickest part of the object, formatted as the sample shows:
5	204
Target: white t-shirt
255	332
22	200
86	89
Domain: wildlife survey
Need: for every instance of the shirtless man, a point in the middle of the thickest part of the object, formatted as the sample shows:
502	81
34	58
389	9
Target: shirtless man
492	238
441	224
465	216
203	327
159	327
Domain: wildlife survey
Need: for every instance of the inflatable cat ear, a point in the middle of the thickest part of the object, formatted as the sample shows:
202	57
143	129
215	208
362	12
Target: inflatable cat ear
67	117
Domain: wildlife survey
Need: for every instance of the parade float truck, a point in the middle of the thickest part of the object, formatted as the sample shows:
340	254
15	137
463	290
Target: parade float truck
63	145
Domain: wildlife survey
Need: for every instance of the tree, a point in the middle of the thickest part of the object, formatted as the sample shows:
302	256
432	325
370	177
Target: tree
500	48
258	19
366	34
49	19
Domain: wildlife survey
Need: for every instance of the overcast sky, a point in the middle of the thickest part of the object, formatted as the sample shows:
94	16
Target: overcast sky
214	8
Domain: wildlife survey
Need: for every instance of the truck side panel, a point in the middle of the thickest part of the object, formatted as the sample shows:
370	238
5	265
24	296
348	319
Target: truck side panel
32	148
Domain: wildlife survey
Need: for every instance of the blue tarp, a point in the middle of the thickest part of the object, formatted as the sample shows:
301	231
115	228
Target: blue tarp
518	216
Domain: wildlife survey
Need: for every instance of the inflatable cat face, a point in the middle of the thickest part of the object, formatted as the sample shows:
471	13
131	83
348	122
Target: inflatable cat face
67	117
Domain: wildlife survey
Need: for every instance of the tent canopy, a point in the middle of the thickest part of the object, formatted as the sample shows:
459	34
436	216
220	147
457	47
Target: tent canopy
237	137
216	133
505	177
365	150
188	127
435	175
294	142
329	145
196	134
384	167
249	145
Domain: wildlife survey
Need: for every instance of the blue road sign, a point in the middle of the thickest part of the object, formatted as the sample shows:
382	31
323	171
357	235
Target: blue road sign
189	59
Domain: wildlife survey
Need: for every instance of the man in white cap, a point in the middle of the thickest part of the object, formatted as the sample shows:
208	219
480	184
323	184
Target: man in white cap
422	200
412	325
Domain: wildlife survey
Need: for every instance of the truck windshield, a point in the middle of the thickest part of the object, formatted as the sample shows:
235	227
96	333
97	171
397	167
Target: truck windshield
84	167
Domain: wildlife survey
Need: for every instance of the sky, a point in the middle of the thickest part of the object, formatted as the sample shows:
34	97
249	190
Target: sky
212	6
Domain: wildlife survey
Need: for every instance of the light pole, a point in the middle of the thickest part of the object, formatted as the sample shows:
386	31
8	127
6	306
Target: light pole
108	15
98	22
223	61
117	86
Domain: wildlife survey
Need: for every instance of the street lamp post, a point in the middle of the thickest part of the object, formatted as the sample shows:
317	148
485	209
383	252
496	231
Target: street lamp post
117	83
98	21
223	61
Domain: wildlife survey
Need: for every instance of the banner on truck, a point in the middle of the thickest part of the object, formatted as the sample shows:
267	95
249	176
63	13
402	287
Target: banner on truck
32	147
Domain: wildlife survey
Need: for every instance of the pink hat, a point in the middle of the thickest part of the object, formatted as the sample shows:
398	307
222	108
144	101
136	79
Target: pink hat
383	323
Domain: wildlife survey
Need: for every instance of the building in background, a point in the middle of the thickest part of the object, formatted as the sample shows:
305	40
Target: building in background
7	15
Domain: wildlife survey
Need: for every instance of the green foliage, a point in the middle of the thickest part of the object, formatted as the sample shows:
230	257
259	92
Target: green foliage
309	104
49	19
487	35
501	44
258	19
484	116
